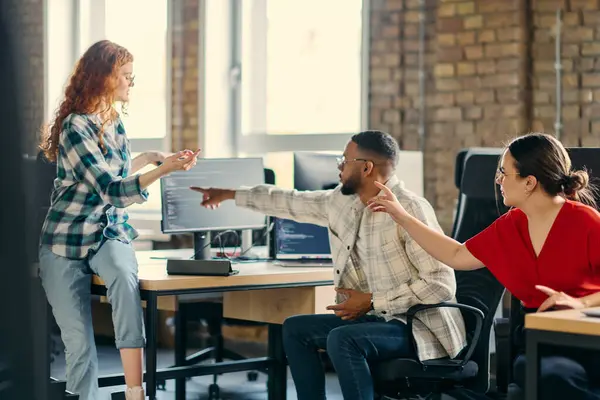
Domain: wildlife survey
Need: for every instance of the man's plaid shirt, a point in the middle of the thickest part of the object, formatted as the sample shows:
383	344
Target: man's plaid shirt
392	266
91	189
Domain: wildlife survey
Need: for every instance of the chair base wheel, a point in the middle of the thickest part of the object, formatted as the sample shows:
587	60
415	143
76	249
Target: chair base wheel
214	392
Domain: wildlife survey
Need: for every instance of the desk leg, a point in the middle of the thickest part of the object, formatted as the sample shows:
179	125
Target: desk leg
532	365
277	384
151	321
180	348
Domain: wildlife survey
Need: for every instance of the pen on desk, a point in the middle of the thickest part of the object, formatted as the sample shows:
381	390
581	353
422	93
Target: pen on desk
158	258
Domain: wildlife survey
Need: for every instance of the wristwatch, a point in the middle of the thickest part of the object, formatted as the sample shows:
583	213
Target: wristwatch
372	307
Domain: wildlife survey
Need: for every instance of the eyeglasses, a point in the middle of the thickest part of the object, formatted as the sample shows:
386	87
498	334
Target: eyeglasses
341	161
131	79
501	174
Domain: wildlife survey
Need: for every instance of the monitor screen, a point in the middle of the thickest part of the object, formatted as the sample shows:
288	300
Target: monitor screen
181	209
315	171
295	240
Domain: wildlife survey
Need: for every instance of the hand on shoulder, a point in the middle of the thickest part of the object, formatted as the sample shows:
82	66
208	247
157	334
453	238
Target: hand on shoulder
388	202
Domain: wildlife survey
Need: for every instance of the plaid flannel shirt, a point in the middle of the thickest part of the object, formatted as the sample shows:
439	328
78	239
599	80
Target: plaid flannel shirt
397	270
91	189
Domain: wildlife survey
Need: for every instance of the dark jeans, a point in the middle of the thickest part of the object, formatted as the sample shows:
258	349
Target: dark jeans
565	373
349	344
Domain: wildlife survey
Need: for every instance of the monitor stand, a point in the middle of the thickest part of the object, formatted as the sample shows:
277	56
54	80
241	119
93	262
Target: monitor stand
202	250
246	247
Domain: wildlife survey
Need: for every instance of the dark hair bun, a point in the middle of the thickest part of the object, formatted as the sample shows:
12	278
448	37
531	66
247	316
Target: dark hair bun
575	181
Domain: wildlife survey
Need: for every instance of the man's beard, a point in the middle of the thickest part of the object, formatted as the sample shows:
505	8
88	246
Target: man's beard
350	186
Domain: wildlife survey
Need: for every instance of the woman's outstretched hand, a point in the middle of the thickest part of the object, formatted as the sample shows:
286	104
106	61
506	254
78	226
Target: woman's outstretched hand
180	161
388	203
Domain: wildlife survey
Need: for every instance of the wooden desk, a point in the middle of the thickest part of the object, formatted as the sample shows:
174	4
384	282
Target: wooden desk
258	285
563	328
153	277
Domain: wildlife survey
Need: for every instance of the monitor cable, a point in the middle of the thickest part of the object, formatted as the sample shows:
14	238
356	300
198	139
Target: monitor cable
241	256
212	240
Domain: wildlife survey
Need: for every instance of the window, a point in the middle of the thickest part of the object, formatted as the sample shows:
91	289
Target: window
71	27
147	119
148	42
280	76
301	71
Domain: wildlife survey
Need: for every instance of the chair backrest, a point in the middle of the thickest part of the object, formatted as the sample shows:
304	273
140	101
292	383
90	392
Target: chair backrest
460	166
40	175
478	204
458	173
477	210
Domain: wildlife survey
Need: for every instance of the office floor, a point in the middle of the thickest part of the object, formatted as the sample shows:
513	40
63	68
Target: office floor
234	386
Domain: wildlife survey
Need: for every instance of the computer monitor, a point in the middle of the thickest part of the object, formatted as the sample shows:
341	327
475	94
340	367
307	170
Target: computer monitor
296	240
315	171
181	209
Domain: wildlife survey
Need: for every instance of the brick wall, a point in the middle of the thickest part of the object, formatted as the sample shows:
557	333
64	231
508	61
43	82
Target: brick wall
580	67
184	72
489	69
26	23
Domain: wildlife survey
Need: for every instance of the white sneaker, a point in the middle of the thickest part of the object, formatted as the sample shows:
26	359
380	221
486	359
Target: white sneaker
136	393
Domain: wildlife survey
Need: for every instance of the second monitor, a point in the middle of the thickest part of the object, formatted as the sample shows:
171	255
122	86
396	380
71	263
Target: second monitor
315	171
301	244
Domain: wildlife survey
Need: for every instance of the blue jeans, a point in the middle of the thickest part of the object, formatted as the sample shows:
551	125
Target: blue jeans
67	284
350	346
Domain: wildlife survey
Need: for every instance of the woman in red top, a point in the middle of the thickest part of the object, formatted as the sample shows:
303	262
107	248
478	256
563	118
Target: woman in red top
545	250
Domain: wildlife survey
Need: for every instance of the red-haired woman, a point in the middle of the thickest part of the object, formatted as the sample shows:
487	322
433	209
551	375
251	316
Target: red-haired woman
86	230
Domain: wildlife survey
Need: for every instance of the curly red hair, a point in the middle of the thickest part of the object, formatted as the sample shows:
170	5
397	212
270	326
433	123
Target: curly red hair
92	84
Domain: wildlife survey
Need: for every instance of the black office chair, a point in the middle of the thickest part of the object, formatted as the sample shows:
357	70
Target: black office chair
588	158
458	173
490	207
212	313
41	174
501	328
581	157
478	295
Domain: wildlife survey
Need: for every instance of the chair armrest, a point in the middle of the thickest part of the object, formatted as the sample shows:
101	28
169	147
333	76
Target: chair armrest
410	315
